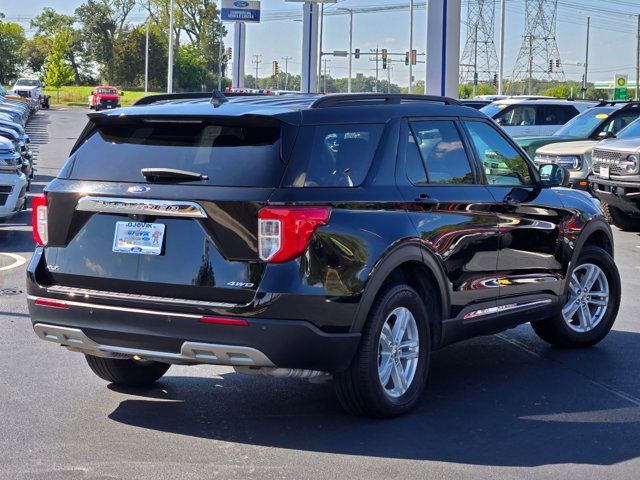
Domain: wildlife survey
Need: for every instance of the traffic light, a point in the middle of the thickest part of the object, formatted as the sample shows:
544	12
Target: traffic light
357	54
229	53
406	59
414	57
558	63
495	79
550	66
276	69
385	58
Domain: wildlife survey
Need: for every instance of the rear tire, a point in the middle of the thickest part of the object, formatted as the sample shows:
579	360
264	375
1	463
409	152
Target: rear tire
572	333
360	388
620	219
131	373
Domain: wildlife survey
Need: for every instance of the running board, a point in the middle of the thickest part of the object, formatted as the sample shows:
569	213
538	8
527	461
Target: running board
190	352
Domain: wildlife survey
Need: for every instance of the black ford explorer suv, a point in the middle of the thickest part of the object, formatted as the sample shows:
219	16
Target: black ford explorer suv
307	236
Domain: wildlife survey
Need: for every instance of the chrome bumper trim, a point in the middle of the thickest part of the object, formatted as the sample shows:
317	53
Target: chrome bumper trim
84	292
132	206
190	353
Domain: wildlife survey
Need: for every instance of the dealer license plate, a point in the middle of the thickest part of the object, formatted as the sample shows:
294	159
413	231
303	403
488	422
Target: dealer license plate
604	172
138	238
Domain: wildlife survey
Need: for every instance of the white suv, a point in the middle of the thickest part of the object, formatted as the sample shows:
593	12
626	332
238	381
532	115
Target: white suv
533	116
13	183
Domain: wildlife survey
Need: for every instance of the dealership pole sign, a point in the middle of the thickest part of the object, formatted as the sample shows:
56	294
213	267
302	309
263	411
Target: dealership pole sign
240	11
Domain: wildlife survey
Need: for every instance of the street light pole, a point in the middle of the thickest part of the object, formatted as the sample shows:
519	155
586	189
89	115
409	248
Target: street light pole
146	60
349	84
320	40
170	66
410	89
586	63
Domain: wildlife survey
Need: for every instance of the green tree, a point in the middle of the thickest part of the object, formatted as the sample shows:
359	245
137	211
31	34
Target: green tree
11	40
130	54
58	71
190	69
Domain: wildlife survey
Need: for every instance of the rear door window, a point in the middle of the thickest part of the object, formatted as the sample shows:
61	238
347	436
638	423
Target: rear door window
229	152
555	114
338	155
441	149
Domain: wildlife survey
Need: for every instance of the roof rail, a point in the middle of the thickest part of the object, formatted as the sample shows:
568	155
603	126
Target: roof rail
354	99
630	105
151	99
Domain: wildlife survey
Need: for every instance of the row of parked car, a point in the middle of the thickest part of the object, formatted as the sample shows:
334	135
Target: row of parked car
16	158
597	142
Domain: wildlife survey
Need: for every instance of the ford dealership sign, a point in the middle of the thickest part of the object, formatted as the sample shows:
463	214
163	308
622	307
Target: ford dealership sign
240	11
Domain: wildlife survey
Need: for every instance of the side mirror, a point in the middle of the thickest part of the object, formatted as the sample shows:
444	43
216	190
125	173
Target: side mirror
605	135
501	121
122	94
553	175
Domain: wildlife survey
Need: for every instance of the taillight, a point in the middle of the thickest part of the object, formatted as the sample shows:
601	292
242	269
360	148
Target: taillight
284	232
39	220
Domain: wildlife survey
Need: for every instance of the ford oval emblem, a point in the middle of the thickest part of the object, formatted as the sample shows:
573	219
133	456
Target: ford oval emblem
241	4
138	189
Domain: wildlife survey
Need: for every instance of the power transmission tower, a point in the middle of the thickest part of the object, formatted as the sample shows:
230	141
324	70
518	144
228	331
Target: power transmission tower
479	61
539	56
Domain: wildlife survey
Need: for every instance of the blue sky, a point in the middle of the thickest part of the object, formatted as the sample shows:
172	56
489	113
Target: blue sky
613	29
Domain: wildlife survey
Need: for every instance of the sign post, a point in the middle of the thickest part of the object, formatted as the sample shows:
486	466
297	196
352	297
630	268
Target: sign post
240	12
620	87
443	47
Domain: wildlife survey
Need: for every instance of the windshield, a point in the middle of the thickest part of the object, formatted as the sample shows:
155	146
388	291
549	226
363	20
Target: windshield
24	82
633	130
584	124
493	108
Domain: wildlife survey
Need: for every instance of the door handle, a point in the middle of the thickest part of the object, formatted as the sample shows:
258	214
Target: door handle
427	201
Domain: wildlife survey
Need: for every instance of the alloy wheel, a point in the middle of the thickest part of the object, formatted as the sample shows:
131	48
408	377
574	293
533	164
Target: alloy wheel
398	351
588	298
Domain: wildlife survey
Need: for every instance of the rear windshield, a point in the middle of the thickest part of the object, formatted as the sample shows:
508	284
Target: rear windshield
231	153
111	91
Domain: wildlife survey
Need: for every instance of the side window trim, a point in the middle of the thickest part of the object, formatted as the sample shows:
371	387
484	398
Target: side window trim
465	145
535	176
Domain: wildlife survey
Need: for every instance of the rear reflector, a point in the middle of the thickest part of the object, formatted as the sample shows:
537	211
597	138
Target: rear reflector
40	220
238	322
51	303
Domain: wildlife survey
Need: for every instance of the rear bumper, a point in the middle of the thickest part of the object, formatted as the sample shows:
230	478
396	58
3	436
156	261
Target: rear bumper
183	338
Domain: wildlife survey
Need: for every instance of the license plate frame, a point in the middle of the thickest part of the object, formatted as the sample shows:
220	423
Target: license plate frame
138	238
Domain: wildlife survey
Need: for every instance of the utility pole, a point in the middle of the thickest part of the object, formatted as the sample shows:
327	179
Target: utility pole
170	60
475	63
286	71
257	60
586	60
410	89
501	66
377	70
146	60
324	77
638	60
220	55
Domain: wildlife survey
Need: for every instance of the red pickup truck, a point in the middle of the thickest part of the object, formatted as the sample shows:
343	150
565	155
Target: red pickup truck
104	97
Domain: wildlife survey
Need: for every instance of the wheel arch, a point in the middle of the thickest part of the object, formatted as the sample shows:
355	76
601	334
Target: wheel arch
596	233
417	266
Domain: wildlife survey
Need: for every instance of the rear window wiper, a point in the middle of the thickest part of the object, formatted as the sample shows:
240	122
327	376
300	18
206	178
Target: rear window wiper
171	174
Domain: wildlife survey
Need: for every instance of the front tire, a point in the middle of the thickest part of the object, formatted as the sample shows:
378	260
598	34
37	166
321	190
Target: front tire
592	303
620	219
131	373
389	371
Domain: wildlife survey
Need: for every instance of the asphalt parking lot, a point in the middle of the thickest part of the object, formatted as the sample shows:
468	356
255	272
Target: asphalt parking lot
500	407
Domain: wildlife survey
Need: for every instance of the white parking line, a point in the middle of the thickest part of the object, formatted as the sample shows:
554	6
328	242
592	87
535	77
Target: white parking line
17	261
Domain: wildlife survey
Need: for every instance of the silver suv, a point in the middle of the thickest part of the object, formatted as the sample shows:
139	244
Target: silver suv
616	177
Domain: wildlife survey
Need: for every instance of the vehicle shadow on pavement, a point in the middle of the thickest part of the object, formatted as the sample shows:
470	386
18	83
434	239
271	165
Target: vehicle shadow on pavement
487	403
